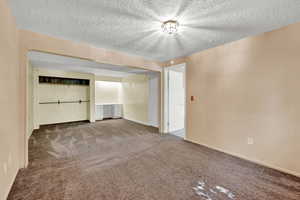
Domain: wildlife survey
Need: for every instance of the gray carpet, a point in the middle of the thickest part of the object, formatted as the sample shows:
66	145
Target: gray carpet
122	160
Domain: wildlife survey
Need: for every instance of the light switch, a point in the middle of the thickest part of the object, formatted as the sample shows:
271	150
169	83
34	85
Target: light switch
250	141
192	98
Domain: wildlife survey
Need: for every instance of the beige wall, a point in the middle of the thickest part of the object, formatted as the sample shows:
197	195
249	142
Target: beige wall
135	95
249	88
108	78
9	100
39	42
108	92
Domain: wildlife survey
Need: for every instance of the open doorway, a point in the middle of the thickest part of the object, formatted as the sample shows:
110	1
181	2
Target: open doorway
176	92
74	106
62	89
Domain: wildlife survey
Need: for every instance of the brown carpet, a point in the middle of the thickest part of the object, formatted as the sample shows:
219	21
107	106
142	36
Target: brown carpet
122	160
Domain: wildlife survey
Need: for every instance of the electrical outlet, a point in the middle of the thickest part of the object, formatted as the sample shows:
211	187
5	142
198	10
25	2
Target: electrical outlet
250	141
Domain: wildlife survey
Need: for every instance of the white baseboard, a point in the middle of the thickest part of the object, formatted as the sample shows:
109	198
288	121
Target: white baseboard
137	121
11	184
259	162
153	125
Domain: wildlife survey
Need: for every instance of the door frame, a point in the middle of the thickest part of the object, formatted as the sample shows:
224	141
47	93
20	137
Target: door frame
166	96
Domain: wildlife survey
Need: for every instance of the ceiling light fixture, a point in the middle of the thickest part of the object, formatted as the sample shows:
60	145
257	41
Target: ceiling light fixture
170	27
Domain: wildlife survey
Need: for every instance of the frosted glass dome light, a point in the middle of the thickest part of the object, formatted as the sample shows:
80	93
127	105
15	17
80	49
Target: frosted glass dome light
170	27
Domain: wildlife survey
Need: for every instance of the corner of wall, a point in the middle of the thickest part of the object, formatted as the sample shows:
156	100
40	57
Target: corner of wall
10	102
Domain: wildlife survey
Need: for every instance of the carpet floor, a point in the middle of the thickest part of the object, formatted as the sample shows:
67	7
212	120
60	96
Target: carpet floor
122	160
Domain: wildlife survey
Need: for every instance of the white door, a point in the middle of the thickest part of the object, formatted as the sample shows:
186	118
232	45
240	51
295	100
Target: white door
176	100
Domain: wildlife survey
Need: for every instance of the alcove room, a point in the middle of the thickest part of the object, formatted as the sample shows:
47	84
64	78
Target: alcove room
67	94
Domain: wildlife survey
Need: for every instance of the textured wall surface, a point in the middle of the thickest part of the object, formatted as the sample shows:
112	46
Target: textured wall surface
249	89
135	95
134	26
9	100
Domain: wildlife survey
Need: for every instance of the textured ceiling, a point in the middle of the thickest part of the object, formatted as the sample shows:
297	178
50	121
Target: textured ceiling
133	26
64	63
